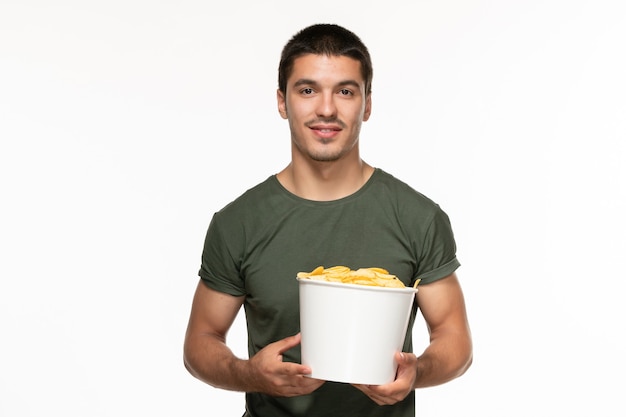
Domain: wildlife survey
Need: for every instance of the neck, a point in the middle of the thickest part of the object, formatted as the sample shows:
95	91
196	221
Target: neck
325	181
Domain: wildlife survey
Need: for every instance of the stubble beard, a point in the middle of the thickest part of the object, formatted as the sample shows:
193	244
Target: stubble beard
328	153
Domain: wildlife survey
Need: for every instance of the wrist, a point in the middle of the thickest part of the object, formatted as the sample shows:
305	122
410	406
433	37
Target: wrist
243	374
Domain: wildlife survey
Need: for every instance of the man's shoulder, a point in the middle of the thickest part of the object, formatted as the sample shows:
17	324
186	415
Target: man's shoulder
399	190
252	198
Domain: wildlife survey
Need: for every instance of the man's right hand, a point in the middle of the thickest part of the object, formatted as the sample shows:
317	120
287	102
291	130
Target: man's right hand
208	358
274	377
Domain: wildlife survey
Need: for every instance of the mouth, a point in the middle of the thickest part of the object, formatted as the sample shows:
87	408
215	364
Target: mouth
326	128
325	132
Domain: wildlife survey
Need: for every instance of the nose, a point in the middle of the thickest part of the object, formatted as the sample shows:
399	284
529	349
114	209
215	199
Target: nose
326	107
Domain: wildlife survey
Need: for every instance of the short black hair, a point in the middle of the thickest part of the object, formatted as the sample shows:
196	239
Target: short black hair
325	39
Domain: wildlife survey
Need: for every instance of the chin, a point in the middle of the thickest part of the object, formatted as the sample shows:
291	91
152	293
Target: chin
326	157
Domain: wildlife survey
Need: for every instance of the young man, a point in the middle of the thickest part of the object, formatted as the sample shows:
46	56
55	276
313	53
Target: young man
327	207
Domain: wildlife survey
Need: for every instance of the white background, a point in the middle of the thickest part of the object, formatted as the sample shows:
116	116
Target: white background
125	124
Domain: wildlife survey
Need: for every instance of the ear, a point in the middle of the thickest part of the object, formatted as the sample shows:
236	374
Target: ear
368	107
282	104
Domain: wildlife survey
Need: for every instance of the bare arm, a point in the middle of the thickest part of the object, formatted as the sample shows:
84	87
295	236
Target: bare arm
449	353
206	355
208	358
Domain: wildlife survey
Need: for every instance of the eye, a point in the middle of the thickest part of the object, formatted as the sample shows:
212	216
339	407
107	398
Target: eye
345	92
306	91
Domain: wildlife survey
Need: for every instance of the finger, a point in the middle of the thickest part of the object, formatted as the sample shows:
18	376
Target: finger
288	342
295	369
367	390
303	386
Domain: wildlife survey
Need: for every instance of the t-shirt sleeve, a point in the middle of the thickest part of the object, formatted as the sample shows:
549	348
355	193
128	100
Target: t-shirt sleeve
219	268
437	257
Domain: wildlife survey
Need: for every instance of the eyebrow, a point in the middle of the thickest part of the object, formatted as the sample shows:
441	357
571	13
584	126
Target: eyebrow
306	81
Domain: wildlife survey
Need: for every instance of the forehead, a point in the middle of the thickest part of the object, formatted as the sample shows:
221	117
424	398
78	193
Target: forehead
326	69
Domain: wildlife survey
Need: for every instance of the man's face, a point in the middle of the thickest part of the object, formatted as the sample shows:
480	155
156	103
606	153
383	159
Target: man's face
325	104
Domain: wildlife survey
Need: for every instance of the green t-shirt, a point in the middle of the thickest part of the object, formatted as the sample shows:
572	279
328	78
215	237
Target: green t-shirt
257	244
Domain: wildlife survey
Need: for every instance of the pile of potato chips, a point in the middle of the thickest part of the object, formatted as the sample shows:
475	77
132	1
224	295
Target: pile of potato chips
363	276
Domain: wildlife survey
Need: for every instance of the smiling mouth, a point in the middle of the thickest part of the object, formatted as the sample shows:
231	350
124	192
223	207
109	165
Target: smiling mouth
326	129
325	133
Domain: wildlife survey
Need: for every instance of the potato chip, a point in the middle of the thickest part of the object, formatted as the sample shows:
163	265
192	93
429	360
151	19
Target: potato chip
373	276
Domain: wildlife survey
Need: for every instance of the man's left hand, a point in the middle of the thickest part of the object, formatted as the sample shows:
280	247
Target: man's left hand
397	390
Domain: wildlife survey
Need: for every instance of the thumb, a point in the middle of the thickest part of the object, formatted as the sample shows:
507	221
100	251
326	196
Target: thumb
404	357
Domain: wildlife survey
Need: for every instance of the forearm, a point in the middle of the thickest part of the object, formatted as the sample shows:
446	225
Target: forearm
447	357
209	359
